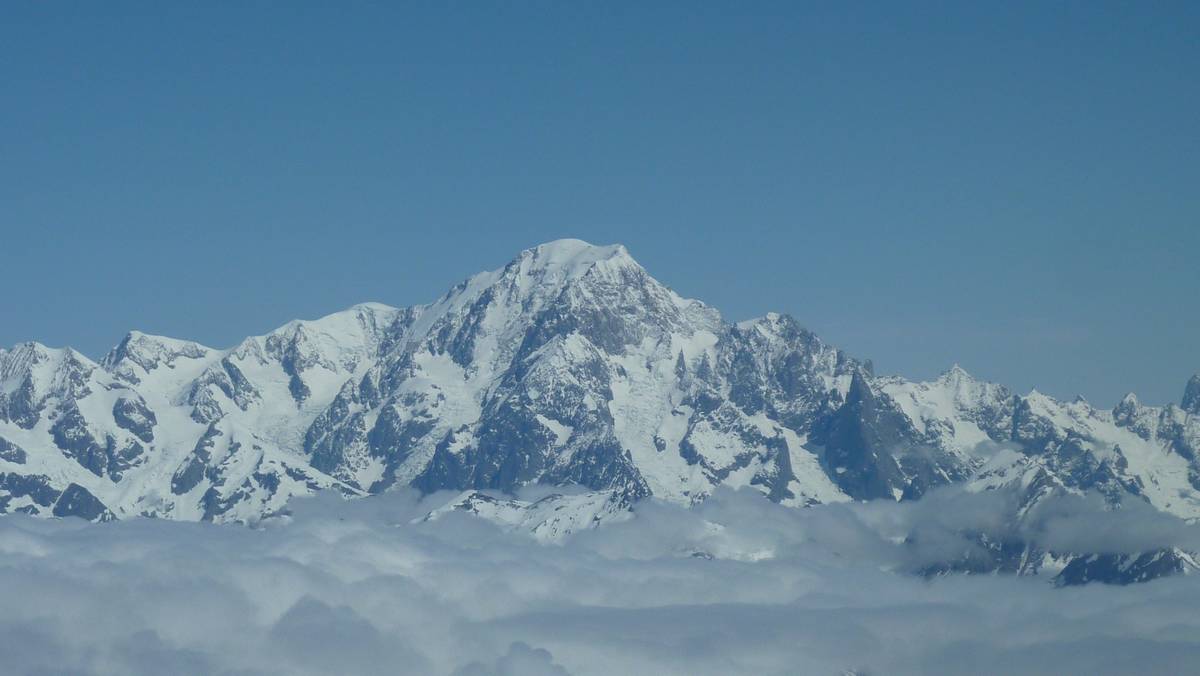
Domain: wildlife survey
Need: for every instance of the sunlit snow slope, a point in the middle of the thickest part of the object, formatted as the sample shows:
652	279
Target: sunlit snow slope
570	365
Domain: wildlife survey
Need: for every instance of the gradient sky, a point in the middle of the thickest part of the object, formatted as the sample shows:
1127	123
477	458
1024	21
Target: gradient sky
1011	186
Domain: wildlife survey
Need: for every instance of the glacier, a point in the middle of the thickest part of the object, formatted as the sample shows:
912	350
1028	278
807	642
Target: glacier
569	366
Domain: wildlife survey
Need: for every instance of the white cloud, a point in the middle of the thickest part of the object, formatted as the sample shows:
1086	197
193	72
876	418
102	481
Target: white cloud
354	587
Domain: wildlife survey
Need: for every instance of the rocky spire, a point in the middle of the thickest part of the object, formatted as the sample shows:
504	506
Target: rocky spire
1191	395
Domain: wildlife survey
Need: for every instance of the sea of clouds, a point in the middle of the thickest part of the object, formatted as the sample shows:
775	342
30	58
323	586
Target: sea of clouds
737	585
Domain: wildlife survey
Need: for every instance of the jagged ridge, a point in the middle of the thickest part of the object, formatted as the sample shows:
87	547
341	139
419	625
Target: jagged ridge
570	365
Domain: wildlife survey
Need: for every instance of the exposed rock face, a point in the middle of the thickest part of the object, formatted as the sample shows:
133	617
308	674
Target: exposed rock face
131	413
1126	568
1191	396
11	452
77	501
570	365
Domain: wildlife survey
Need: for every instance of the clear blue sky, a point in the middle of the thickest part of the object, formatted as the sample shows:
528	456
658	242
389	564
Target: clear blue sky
1012	186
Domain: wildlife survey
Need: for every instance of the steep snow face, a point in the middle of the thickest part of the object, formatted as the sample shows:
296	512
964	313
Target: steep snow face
572	365
171	428
569	365
1133	452
139	355
30	373
69	431
486	383
956	412
994	438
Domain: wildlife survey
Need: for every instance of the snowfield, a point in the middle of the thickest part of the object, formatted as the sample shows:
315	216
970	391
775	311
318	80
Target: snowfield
571	365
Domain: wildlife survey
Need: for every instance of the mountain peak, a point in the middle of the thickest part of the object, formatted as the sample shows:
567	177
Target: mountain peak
148	351
16	362
1191	395
572	255
955	373
570	246
771	320
23	356
569	365
539	271
337	323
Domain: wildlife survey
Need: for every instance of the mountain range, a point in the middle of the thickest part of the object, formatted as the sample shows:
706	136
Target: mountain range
569	366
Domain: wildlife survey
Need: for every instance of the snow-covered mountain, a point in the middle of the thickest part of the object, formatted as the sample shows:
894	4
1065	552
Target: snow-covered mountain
570	365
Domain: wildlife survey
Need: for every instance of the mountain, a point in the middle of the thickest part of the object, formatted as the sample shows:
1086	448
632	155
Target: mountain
570	365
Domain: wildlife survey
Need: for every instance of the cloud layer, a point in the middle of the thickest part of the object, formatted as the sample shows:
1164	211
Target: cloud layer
735	586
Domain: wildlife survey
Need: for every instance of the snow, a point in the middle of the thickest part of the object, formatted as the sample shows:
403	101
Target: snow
811	484
574	256
643	406
560	431
550	519
448	360
947	403
269	431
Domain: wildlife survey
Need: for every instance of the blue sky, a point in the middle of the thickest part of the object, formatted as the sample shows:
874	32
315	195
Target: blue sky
1012	186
